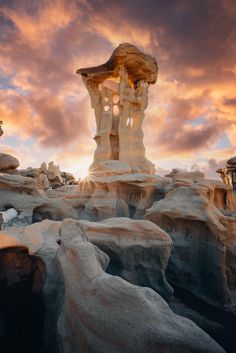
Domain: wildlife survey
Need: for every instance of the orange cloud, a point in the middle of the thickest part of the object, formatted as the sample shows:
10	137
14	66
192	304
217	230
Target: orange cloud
191	114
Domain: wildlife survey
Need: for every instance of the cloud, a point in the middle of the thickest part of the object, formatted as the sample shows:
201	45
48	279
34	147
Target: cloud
58	122
190	108
230	102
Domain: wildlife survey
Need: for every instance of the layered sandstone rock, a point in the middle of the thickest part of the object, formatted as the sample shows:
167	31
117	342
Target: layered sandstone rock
22	194
19	184
49	176
28	255
95	308
127	195
119	96
104	313
203	256
138	250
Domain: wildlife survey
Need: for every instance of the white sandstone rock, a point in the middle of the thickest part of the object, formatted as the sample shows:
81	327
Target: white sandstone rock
104	313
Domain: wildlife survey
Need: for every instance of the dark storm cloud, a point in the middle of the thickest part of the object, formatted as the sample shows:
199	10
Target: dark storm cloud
59	121
42	43
192	33
176	138
230	101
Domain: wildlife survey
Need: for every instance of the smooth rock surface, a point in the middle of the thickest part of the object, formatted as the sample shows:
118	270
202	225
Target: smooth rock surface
104	313
138	250
203	255
37	246
8	162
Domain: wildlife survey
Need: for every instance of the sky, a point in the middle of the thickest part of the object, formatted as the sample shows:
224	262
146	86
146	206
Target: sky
190	121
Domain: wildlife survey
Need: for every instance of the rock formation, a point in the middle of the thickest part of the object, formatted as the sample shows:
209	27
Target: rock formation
31	203
7	216
118	91
228	173
203	256
1	130
49	176
138	250
96	309
8	163
104	313
126	195
28	260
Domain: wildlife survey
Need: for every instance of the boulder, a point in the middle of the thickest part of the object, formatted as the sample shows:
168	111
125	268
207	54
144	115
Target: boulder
18	183
55	210
8	163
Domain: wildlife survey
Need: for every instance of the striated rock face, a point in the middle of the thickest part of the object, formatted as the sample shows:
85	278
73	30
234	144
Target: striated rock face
104	313
8	163
138	250
127	195
119	96
203	256
96	308
19	184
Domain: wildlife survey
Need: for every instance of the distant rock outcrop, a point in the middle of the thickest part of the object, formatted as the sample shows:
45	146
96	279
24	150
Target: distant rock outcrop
8	163
49	176
228	173
1	130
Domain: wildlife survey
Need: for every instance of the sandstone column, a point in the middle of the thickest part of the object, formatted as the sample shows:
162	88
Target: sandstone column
118	91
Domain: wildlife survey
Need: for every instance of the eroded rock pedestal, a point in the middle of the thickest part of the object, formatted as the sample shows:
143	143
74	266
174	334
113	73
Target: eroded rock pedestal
228	173
118	91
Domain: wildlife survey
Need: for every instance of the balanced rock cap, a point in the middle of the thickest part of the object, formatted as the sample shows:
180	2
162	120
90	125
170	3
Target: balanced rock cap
139	66
231	161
